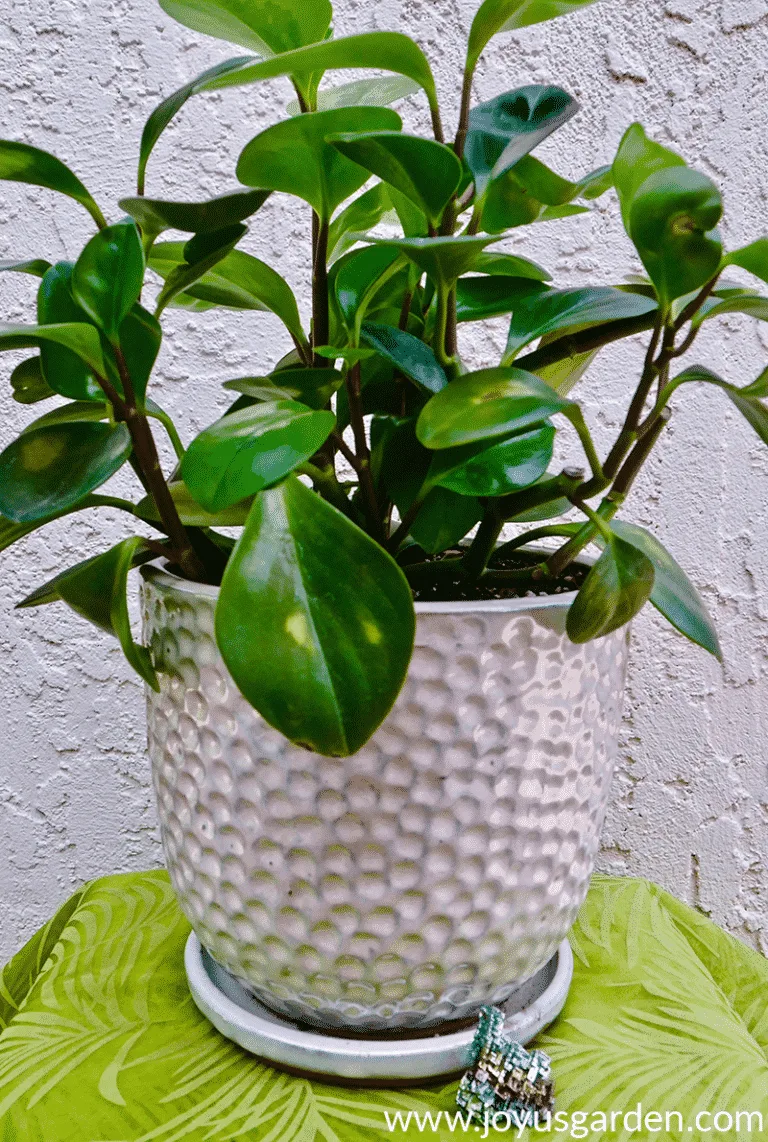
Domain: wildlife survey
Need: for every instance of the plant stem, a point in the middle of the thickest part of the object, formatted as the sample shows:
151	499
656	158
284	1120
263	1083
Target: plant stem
363	454
320	311
575	415
584	341
400	534
481	548
555	529
638	456
441	325
466	100
626	437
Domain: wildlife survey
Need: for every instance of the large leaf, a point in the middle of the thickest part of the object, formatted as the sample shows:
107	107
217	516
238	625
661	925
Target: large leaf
443	259
11	532
616	588
558	310
495	16
22	163
507	127
35	267
238	281
51	468
96	589
408	353
376	92
28	383
496	469
81	338
637	158
155	215
62	368
672	222
509	265
362	214
191	513
674	595
312	387
745	302
324	177
170	107
426	172
479	298
252	449
748	400
314	621
752	258
108	276
356	277
265	26
139	336
200	254
484	405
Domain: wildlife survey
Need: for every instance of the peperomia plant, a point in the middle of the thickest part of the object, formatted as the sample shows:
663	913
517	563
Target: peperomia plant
359	464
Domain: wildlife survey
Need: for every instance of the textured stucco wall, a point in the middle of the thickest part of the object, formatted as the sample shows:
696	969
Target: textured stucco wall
690	807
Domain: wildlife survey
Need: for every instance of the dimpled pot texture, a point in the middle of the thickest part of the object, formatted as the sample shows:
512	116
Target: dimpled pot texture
430	873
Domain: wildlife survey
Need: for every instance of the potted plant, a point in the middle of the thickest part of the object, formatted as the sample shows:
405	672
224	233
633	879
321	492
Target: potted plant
369	835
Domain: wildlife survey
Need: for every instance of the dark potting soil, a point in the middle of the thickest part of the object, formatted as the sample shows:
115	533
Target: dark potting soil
452	589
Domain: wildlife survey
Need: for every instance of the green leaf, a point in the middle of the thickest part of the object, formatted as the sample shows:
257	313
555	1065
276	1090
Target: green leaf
312	387
509	265
747	400
11	532
637	158
51	468
507	127
426	172
200	255
410	355
385	51
265	26
191	513
752	258
63	369
69	413
108	276
443	259
616	588
481	406
480	298
154	215
22	163
748	303
28	383
81	338
361	215
444	519
672	222
356	275
238	281
378	92
559	310
328	615
139	336
35	267
252	449
495	16
324	178
495	470
565	374
96	589
170	107
673	593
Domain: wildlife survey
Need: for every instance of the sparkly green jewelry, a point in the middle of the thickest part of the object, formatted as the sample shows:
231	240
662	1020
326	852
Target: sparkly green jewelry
504	1078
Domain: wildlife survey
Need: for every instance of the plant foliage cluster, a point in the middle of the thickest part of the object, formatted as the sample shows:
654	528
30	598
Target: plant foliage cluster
315	618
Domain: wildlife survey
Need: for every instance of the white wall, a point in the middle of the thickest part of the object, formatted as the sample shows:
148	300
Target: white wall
690	808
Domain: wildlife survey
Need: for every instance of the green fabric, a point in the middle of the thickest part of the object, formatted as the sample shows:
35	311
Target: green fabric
101	1041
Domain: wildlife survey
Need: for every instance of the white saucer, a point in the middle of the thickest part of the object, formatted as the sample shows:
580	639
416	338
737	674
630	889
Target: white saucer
366	1062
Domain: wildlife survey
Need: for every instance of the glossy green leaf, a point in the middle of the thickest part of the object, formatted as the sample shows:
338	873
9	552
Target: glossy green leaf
507	127
616	588
672	222
480	298
22	163
508	204
191	513
361	215
35	267
752	258
265	26
444	520
96	589
324	178
200	255
63	369
139	336
426	172
385	51
509	265
496	469
748	400
495	16
329	621
82	339
357	274
637	158
154	215
674	595
73	410
53	467
108	276
170	107
748	303
559	310
565	374
28	383
379	92
484	405
410	355
443	259
11	532
252	449
312	387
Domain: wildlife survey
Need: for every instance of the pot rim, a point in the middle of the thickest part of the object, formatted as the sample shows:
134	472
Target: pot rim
157	571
